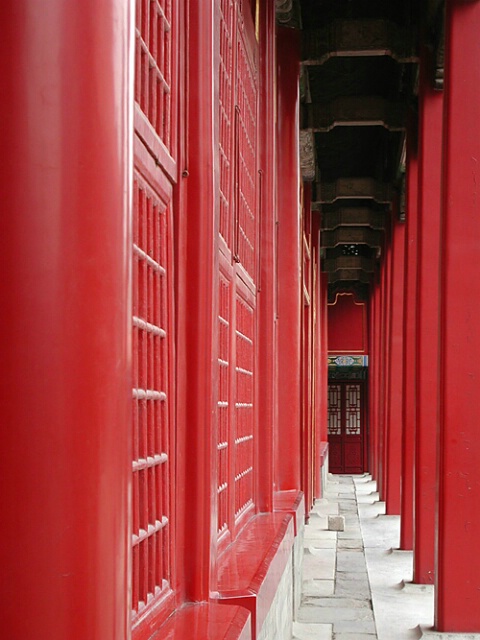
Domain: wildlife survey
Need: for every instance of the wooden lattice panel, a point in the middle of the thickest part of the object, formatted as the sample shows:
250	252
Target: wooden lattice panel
334	410
246	156
224	412
154	65
226	117
352	409
244	406
151	429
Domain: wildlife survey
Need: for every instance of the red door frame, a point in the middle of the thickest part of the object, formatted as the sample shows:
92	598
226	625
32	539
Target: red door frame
342	438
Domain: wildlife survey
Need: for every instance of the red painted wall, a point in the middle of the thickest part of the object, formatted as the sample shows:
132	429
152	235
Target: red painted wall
347	325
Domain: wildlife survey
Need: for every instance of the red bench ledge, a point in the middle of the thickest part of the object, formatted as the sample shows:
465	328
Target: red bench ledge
323	452
292	502
250	570
206	621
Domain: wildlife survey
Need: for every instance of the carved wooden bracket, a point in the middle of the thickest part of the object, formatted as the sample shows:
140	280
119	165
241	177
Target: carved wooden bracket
353	216
357	263
351	235
354	188
359	289
354	111
359	38
349	275
288	13
307	155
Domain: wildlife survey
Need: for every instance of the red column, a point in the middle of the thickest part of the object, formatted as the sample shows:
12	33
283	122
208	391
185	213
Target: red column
306	380
267	290
458	560
65	243
371	379
288	451
317	370
324	355
409	350
197	284
384	355
396	380
430	161
375	379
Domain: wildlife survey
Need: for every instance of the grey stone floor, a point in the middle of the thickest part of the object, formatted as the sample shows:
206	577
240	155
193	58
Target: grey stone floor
356	583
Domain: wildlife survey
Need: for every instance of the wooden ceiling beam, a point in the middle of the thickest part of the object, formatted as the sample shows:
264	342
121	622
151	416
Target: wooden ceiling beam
356	263
354	189
357	275
354	111
363	37
351	235
353	216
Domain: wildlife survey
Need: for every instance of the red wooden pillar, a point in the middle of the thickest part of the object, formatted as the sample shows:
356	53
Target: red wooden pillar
375	378
197	320
306	382
317	369
396	380
386	322
266	298
288	451
65	238
458	560
324	355
430	161
371	379
409	349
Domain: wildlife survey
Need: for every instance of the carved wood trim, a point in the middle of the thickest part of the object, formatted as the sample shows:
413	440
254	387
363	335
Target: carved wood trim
351	235
354	188
355	111
359	38
353	216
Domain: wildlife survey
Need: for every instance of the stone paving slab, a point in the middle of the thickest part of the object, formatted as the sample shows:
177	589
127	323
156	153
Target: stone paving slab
336	615
309	631
318	588
356	583
355	636
351	561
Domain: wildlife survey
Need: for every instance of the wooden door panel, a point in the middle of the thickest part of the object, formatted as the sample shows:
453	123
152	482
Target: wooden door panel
346	428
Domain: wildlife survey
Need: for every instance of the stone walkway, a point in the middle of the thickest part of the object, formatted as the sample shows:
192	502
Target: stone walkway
356	583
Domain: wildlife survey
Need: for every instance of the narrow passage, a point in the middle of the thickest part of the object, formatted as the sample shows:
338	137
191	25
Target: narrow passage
356	583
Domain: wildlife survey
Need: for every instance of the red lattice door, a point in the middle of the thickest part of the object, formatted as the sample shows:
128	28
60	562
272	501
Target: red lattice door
346	426
237	242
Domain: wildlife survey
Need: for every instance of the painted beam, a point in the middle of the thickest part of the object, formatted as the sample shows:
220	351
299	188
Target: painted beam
349	275
359	263
367	37
355	217
354	111
354	189
351	235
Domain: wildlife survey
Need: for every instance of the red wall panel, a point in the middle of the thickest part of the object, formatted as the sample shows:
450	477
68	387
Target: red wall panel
347	325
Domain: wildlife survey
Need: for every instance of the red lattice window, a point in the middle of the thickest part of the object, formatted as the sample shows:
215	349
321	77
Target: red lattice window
246	156
353	414
334	410
151	576
223	443
154	65
238	240
226	118
244	406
